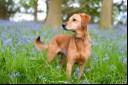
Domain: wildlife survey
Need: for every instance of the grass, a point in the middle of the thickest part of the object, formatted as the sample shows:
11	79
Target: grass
21	63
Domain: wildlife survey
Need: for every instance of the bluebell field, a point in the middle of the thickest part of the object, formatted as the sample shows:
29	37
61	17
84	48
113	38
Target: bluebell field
21	62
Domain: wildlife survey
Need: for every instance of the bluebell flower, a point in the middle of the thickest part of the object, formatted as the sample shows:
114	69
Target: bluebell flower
7	42
19	43
13	75
66	82
106	57
44	33
17	74
124	60
94	58
25	38
77	70
57	67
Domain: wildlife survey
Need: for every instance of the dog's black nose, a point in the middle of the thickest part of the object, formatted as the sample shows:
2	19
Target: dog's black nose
64	25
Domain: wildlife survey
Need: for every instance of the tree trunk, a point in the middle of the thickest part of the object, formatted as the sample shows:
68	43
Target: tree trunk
106	14
53	19
4	13
35	10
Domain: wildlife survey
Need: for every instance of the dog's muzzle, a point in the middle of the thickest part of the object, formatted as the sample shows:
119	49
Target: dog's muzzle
64	26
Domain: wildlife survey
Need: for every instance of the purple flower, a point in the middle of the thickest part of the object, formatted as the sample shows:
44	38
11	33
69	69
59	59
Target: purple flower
19	43
94	58
17	74
105	57
124	60
25	38
57	67
7	42
77	70
13	75
44	33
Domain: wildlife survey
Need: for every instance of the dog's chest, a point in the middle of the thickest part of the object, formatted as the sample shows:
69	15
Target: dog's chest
80	45
77	46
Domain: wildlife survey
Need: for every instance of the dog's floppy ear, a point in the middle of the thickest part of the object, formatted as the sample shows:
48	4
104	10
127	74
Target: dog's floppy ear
85	19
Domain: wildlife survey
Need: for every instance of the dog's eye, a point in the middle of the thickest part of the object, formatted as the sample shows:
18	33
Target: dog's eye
74	20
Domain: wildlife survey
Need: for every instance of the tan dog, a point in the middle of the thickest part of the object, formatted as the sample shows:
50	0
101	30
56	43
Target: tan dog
73	49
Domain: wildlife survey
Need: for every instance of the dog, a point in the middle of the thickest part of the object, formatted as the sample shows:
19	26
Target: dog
74	49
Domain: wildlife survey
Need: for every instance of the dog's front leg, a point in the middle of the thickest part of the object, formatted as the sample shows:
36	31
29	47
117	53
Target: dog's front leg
81	71
69	69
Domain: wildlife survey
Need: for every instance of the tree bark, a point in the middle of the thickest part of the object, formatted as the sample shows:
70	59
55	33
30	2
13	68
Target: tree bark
53	19
35	9
106	14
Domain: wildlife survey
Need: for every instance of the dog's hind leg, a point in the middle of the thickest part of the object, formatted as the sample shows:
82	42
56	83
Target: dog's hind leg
63	60
51	56
53	49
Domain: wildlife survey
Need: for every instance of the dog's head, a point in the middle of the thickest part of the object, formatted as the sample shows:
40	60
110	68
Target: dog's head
77	21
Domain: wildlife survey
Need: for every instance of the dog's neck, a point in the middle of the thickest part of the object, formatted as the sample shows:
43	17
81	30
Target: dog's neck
81	34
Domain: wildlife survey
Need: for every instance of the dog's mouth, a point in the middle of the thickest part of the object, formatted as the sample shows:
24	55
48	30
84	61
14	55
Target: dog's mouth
68	29
64	27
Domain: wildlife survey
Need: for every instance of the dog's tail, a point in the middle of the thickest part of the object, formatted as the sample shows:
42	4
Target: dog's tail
39	45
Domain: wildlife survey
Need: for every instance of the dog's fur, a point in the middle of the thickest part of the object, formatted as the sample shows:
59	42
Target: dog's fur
73	49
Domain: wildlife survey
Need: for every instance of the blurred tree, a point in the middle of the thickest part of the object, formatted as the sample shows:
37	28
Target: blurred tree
30	4
106	14
35	9
53	18
93	8
86	6
120	9
7	9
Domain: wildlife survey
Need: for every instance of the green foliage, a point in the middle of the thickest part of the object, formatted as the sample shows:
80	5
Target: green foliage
120	8
84	6
27	4
7	8
93	8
